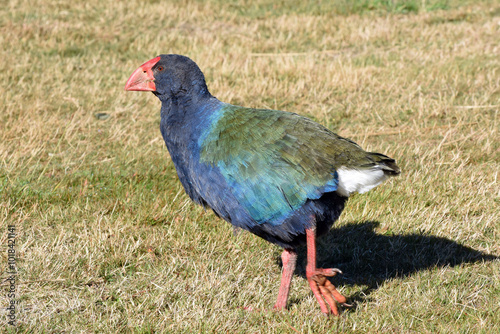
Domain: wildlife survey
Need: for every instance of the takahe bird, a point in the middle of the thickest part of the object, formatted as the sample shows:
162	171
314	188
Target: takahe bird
276	174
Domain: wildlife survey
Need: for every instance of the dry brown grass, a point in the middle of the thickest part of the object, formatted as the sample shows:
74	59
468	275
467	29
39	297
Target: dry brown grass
108	241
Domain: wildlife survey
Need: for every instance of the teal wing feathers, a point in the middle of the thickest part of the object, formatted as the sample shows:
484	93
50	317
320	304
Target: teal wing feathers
274	161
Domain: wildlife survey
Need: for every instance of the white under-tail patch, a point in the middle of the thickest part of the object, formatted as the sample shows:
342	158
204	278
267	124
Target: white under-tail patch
358	180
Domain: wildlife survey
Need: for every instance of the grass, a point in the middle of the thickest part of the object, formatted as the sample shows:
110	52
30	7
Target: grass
108	241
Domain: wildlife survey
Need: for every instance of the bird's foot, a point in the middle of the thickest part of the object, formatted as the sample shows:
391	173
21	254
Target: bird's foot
323	288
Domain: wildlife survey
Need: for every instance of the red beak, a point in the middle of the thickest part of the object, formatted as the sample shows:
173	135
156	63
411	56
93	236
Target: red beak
142	79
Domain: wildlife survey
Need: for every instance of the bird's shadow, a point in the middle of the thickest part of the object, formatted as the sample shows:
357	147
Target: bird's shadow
369	259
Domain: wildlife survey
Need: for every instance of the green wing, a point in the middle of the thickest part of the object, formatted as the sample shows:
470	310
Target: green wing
274	160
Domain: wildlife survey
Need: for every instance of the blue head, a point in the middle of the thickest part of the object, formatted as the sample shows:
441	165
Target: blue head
170	76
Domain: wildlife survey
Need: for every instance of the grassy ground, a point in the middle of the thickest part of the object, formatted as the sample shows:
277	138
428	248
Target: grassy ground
107	240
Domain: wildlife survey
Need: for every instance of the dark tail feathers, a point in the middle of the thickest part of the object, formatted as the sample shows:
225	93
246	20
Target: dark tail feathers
388	165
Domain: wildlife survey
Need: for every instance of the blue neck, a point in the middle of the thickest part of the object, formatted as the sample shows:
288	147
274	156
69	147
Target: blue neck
184	120
182	124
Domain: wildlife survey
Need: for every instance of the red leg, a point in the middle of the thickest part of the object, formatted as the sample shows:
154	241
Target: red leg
321	287
289	258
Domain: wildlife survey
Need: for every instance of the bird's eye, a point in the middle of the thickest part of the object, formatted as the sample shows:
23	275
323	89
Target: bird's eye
160	68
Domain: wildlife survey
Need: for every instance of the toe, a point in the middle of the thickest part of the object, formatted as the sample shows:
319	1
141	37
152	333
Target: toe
315	287
329	299
333	291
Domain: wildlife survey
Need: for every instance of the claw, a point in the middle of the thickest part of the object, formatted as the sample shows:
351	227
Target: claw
330	272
